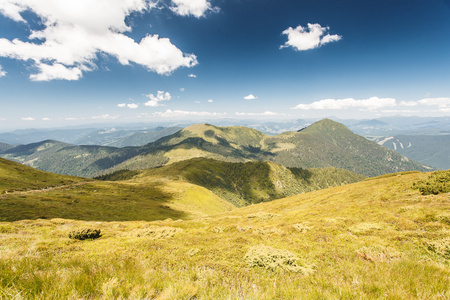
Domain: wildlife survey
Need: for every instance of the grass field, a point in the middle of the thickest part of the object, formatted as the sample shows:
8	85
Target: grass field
376	239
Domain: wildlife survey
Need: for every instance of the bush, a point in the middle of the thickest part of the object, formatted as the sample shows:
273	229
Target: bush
272	259
438	182
85	234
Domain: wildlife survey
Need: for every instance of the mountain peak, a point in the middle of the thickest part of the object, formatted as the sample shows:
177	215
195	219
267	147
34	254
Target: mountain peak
325	125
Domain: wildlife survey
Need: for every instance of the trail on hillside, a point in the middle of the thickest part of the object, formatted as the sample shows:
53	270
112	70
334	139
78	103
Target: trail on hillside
42	190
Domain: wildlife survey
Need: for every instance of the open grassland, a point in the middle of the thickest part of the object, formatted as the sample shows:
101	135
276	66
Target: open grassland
376	239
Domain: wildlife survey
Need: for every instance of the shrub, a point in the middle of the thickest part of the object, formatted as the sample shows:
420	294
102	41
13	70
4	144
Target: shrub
440	247
85	234
438	182
272	259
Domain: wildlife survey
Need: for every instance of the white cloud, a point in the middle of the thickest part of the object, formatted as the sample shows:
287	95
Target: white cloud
439	102
56	71
197	102
182	90
370	104
75	32
28	119
250	97
156	100
192	76
266	113
210	101
181	113
2	72
105	116
306	38
132	105
197	8
45	119
129	105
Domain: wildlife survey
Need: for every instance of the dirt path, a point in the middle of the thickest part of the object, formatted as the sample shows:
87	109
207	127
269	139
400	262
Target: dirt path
43	190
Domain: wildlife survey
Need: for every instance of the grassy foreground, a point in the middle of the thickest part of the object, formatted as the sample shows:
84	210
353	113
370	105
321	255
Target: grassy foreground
376	239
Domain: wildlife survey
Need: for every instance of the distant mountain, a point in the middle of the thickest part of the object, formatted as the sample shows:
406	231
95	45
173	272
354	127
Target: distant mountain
4	147
432	150
245	183
112	136
63	158
323	144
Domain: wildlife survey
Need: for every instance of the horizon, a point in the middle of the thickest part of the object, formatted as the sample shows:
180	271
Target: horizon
65	64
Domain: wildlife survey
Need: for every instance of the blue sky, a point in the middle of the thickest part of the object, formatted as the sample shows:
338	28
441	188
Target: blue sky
66	62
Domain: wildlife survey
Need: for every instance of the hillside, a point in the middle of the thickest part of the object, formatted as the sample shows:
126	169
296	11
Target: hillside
67	159
17	177
244	183
376	239
323	144
431	150
27	193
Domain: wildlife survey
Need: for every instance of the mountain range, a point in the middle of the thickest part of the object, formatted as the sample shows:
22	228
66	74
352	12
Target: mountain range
325	143
431	150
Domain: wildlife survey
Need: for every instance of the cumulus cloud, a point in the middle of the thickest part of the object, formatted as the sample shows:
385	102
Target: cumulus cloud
192	76
28	119
439	102
210	101
182	89
2	72
129	105
306	38
46	119
156	100
370	104
75	32
181	113
196	8
250	97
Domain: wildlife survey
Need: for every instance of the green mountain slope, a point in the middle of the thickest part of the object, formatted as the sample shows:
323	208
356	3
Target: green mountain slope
431	150
323	144
375	239
63	158
328	143
17	177
245	183
27	193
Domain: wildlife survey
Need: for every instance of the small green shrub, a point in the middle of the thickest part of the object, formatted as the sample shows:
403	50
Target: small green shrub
85	234
272	259
438	182
440	247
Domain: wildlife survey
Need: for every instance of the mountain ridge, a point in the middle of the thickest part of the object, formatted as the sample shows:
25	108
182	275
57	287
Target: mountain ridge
325	143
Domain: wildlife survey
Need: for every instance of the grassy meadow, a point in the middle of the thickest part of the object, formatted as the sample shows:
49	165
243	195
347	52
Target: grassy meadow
376	239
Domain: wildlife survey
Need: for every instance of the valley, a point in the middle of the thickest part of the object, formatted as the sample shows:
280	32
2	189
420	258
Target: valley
224	212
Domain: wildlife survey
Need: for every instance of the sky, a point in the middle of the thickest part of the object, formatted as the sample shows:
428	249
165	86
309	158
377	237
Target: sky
71	62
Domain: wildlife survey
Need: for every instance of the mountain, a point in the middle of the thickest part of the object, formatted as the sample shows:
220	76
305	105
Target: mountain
375	239
63	158
244	183
431	150
4	147
17	177
27	193
116	137
323	144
